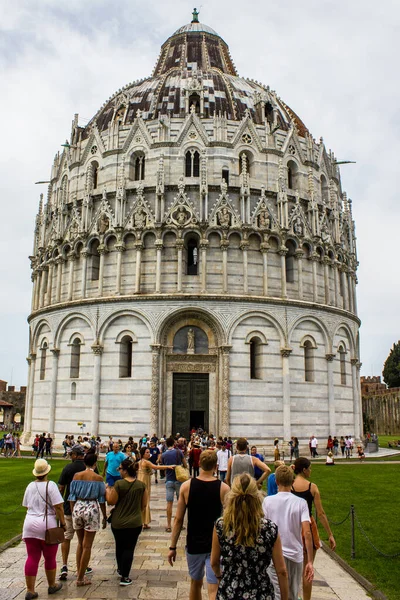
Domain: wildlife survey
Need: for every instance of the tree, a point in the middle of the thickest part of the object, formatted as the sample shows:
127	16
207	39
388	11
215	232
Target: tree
391	368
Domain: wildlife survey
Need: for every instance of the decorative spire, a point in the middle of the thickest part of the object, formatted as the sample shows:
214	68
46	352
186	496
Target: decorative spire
195	15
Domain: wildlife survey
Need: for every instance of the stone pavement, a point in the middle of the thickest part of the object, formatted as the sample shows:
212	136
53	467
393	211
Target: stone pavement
153	578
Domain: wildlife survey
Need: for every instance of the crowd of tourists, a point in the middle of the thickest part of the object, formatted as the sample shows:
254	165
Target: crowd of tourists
247	544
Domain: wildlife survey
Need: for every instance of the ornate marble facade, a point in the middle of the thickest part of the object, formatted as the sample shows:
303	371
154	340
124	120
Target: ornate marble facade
194	199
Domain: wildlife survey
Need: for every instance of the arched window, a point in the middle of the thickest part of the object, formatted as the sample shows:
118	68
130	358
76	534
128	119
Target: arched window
94	261
324	189
95	170
75	358
290	264
342	358
192	257
225	175
73	390
308	361
125	356
192	164
292	175
139	164
269	113
255	358
194	100
43	357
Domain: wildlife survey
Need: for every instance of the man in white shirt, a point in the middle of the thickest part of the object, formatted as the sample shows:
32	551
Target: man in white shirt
314	446
291	515
222	461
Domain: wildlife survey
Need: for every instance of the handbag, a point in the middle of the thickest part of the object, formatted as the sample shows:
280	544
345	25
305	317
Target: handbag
181	473
53	535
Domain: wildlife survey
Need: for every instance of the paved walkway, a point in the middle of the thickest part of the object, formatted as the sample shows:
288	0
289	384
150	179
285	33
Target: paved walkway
153	578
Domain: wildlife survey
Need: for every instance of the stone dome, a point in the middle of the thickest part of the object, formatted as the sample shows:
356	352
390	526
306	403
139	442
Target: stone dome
194	264
196	60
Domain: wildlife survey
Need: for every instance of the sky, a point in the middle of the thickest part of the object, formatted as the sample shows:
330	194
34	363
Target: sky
335	63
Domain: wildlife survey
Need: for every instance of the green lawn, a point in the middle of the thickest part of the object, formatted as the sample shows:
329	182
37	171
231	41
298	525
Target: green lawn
373	489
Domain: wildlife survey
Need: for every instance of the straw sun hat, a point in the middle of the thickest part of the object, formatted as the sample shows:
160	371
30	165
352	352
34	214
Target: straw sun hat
42	467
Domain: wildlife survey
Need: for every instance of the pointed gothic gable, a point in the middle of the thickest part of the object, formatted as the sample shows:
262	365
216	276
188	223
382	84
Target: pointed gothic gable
325	227
181	212
223	214
103	213
192	123
140	215
94	140
138	129
247	128
292	146
74	225
298	222
325	164
264	217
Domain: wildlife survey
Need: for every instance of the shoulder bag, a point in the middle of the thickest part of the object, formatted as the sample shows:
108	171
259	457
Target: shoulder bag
181	473
54	535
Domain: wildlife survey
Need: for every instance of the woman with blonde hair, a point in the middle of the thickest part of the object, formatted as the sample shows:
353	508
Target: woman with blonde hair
244	542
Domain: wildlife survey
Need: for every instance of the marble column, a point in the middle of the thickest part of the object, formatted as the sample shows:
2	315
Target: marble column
37	290
102	251
285	353
356	397
337	284
350	291
179	249
53	397
244	247
315	258
59	262
84	256
282	253
139	247
159	246
344	287
34	278
97	350
327	262
155	388
355	309
299	257
203	265
264	249
71	259
331	394
49	282
42	286
224	414
29	397
120	248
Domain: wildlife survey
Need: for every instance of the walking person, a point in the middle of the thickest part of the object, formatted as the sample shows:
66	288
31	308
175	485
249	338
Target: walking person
303	488
223	456
112	461
172	456
244	543
154	456
194	456
41	445
342	445
41	497
129	497
75	466
242	462
203	497
48	445
87	497
146	467
291	516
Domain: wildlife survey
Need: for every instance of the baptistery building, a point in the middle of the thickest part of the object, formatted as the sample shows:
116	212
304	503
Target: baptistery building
194	264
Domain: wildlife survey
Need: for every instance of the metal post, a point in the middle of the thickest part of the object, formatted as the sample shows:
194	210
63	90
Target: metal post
353	538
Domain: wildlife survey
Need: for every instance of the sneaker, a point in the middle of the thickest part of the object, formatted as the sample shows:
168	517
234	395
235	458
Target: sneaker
53	589
63	573
119	573
89	571
125	581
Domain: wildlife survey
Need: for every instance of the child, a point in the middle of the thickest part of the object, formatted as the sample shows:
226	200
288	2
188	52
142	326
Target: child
330	461
360	453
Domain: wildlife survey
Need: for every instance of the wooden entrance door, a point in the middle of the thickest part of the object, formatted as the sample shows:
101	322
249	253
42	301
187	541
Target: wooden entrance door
189	402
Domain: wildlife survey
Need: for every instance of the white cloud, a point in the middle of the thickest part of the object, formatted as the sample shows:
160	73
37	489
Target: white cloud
334	63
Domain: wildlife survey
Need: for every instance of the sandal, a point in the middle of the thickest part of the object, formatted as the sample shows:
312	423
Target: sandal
31	595
146	527
168	529
83	582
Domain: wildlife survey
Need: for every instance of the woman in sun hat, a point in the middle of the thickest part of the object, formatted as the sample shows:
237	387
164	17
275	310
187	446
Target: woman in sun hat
34	529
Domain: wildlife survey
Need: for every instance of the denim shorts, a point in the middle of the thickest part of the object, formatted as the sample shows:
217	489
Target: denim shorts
111	479
196	565
171	488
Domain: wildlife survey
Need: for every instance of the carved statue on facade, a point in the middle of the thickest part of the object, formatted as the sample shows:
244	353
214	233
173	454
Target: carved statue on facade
181	216
298	226
190	341
224	217
103	223
264	220
140	218
224	186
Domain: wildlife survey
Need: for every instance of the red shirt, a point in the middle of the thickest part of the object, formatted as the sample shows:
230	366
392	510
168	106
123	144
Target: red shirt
195	456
